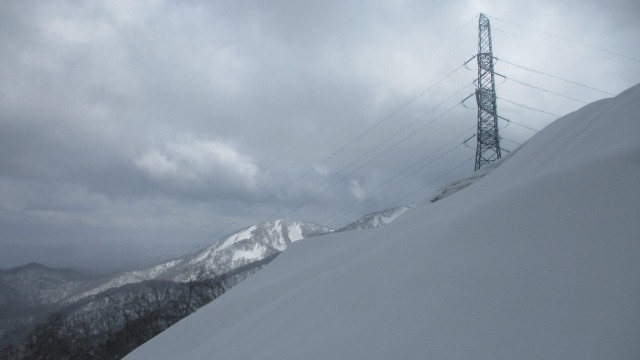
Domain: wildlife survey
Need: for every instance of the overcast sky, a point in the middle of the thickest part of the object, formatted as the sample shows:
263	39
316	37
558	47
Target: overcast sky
142	129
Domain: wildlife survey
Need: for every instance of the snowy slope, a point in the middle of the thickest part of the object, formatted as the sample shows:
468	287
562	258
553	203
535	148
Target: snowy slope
540	259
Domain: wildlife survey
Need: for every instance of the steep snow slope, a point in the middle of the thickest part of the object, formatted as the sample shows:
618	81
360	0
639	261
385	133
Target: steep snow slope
540	259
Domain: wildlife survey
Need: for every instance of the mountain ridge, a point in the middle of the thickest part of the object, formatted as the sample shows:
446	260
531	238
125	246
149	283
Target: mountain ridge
376	219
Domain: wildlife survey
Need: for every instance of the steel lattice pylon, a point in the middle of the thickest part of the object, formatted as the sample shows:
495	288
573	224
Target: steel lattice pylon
488	146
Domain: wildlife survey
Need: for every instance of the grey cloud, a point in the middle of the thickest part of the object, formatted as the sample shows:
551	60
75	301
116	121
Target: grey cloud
114	115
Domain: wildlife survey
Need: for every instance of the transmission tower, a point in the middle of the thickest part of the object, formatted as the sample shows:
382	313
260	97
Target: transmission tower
488	147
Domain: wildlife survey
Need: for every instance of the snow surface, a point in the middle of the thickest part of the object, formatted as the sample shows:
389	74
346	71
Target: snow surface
539	259
256	252
295	233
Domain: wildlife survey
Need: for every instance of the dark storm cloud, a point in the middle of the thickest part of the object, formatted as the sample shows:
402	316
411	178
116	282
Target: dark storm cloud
163	122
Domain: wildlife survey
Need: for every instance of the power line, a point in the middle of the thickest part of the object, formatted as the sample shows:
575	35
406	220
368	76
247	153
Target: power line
511	141
538	87
509	121
463	162
443	42
393	113
528	108
303	142
578	54
381	153
552	76
567	39
400	181
335	153
541	89
405	174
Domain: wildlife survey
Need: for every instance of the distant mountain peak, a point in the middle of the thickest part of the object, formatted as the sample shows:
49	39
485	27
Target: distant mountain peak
376	219
256	242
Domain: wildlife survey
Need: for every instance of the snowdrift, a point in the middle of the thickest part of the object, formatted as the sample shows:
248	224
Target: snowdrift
540	259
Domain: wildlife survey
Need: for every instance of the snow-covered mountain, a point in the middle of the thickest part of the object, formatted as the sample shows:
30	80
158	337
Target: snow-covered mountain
29	293
538	259
255	243
36	284
376	219
247	246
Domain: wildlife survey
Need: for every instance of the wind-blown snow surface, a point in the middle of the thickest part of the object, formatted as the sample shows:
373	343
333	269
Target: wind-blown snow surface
540	259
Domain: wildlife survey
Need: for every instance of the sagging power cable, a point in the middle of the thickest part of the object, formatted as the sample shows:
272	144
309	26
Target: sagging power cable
553	76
